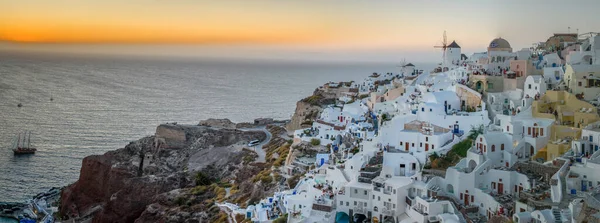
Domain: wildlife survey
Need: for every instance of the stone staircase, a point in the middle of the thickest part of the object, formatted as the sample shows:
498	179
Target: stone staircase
557	216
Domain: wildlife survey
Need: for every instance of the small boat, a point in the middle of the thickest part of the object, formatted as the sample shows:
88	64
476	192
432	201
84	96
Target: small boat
23	144
19	105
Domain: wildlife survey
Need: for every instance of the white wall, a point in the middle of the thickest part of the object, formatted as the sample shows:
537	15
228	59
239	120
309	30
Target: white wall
532	88
452	56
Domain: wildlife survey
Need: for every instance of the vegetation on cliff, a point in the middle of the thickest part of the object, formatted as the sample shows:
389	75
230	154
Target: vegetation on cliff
458	151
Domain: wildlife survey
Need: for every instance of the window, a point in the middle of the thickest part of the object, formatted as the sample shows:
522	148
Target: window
461	196
400	143
355	191
430	110
365	192
347	203
528	130
432	146
414	167
507	128
493	148
394	205
422	109
420	144
541	132
502	146
472	198
341	203
579	84
484	148
529	86
354	202
536	88
426	139
375	209
378	198
413	144
394	191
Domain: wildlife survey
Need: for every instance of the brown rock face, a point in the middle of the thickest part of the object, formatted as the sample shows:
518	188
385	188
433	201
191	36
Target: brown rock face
119	185
96	182
128	203
308	109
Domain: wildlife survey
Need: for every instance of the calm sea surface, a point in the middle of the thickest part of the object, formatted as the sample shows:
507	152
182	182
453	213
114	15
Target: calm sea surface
102	103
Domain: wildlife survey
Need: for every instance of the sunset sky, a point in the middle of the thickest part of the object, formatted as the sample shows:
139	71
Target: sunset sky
305	25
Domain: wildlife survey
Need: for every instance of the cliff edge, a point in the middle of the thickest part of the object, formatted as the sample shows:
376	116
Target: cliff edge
155	171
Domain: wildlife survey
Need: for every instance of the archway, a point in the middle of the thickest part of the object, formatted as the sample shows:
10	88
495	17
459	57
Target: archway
342	217
479	85
472	165
450	189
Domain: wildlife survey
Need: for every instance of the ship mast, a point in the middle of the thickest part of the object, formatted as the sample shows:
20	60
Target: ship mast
19	141
23	143
29	140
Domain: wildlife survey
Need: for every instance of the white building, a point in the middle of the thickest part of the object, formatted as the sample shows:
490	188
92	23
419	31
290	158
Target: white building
481	177
588	53
499	55
552	60
453	54
535	85
553	76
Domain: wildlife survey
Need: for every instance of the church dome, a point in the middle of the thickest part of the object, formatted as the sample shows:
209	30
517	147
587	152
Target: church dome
499	43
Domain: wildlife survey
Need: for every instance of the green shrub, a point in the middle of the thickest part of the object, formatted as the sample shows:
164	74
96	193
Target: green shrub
180	201
315	142
282	219
202	179
199	190
266	179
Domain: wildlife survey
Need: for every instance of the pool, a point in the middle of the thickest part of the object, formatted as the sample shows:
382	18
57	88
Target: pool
7	220
320	179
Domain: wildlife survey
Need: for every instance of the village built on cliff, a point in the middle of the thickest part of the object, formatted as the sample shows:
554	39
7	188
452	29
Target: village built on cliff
527	121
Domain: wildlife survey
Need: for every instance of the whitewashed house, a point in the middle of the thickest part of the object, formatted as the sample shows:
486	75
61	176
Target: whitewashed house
535	86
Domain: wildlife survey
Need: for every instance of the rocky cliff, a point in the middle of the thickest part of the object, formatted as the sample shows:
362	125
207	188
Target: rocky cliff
308	109
160	177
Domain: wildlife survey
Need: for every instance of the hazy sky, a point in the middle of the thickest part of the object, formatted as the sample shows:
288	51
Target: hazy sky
350	28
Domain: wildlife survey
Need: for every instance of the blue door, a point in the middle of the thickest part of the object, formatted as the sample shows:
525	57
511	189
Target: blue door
583	185
322	161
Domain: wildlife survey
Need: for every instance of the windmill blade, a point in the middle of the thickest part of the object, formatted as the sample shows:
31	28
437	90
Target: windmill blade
445	43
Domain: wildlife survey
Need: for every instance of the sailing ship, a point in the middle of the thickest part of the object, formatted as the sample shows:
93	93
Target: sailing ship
23	144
